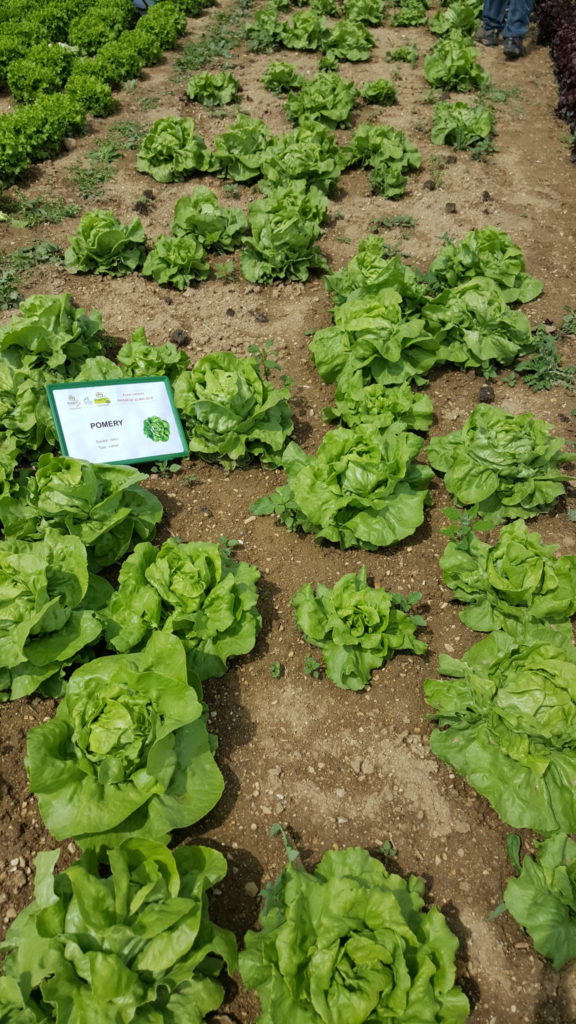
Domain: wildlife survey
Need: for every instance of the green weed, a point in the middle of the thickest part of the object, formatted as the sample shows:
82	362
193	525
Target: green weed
29	213
227	31
543	369
14	264
276	669
312	667
400	220
267	360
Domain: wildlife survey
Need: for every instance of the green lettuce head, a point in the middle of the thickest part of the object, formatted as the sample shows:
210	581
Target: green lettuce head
194	590
543	898
172	151
358	627
102	505
515	582
507	723
361	489
502	463
127	753
351	943
49	615
486	252
232	415
102	245
122	936
382	406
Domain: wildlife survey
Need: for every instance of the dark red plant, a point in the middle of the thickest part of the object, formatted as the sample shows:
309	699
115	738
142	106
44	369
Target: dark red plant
556	21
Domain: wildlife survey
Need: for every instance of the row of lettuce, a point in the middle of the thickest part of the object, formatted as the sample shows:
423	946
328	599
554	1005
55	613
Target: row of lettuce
62	59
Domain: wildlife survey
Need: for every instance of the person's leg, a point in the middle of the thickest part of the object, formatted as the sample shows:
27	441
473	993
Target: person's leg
494	15
518	19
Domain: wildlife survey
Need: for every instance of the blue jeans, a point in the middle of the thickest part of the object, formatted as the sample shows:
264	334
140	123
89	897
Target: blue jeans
510	17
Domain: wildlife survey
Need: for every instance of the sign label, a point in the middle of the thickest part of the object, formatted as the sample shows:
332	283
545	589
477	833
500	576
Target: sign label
118	421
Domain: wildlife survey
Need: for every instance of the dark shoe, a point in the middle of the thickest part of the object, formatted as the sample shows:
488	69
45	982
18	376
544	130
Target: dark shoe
513	47
487	36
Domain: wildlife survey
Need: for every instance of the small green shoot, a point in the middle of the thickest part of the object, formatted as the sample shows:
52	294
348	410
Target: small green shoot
312	667
267	360
291	853
225	271
276	669
402	221
464	521
387	849
228	544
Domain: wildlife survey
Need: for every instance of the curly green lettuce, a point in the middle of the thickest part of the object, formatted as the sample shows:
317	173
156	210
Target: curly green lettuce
357	627
502	463
485	252
176	261
507	724
326	98
284	227
102	505
453	64
102	245
194	590
122	935
281	76
173	151
213	88
543	898
232	415
351	942
362	488
156	429
358	403
309	153
515	582
49	617
238	151
349	40
202	216
50	333
461	125
127	752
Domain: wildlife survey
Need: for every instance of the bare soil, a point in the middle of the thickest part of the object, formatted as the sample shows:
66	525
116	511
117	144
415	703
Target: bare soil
336	768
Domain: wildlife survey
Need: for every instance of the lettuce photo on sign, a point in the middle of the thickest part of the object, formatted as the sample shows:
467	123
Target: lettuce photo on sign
156	428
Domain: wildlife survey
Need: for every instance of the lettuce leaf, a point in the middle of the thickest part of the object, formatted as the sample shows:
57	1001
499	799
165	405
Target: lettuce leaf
358	627
502	463
173	151
516	581
124	935
485	252
362	488
102	245
507	724
453	64
351	942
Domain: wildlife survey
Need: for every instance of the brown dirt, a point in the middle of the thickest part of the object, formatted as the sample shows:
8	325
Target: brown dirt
336	768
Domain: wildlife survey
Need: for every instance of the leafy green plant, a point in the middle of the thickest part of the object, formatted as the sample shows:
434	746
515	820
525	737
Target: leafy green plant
505	723
358	403
515	582
14	264
485	252
169	955
461	15
474	326
283	229
542	900
202	216
194	590
387	152
280	76
305	30
173	151
362	488
238	150
405	54
326	97
501	463
24	212
371	12
409	12
44	69
213	88
226	30
381	92
453	64
264	31
349	40
127	753
103	245
102	505
461	125
312	668
351	942
138	358
176	261
50	333
358	627
231	413
308	153
49	612
276	669
543	370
